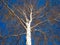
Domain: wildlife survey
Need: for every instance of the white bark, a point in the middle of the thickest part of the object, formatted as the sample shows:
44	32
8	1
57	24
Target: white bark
28	34
28	29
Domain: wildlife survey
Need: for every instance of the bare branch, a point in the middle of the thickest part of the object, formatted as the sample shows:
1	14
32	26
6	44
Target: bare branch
22	12
38	24
57	20
13	35
36	13
31	13
15	15
25	16
45	37
18	9
40	31
21	22
19	12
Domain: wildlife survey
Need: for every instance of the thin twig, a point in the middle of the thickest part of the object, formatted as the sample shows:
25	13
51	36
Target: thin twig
38	24
39	11
15	15
14	35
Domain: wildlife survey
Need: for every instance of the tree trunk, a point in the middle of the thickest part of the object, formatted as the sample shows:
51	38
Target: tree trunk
28	34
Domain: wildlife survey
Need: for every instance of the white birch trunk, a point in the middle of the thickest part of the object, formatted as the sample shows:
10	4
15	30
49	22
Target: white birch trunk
28	34
28	29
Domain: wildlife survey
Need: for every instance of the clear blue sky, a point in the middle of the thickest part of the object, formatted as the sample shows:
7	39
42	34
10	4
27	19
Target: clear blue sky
4	29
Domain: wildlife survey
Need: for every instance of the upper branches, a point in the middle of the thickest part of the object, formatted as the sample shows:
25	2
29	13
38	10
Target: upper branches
28	11
13	13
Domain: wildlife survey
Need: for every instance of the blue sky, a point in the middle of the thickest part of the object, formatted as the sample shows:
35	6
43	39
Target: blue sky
4	29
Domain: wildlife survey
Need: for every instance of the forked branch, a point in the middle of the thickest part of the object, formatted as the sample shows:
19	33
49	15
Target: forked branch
20	19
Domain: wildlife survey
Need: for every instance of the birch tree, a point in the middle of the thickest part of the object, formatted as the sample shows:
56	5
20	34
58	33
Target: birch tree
28	12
